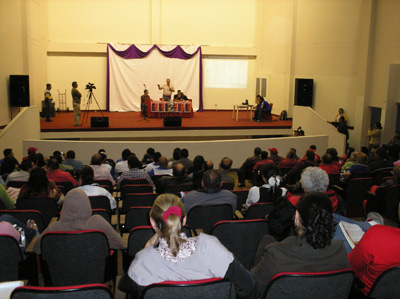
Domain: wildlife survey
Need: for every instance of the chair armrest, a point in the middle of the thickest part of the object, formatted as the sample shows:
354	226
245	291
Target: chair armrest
239	215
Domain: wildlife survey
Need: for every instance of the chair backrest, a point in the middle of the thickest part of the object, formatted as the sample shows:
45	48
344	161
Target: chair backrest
137	199
206	288
25	215
241	196
103	213
87	291
140	188
334	179
205	216
2	207
10	257
284	170
64	186
227	186
106	184
75	257
259	210
16	184
327	285
133	182
46	206
137	216
379	175
241	237
391	202
178	188
387	284
100	202
355	190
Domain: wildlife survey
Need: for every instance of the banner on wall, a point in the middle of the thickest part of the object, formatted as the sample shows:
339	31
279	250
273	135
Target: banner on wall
133	68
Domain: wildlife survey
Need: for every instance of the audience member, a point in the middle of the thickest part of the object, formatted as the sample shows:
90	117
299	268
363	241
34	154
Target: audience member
100	173
149	156
106	162
56	174
246	170
198	171
290	161
162	168
122	166
7	167
86	184
8	152
212	193
39	186
224	168
134	172
328	166
273	155
377	251
185	160
176	155
64	167
22	232
293	175
314	179
76	215
178	258
21	175
264	159
380	160
31	150
317	158
5	198
349	162
71	161
40	161
312	250
178	177
271	190
359	166
208	165
151	166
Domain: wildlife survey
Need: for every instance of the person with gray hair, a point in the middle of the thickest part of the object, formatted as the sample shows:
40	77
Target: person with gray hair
314	179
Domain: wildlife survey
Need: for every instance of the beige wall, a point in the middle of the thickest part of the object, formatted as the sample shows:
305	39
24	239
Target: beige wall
346	46
238	150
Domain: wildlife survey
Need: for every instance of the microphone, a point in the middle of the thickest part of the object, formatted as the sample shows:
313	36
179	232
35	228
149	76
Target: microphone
144	86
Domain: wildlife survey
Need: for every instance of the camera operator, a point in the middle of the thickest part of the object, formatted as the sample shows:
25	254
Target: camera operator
76	102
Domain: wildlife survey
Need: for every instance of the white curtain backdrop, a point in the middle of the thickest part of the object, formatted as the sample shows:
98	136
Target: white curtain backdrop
129	77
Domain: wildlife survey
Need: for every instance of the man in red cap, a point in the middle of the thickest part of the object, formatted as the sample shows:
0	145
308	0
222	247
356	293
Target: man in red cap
273	155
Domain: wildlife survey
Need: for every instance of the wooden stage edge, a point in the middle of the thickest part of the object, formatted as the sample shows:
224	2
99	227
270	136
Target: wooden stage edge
131	126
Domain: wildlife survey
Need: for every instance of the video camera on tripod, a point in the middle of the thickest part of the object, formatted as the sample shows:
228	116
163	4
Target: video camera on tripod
90	86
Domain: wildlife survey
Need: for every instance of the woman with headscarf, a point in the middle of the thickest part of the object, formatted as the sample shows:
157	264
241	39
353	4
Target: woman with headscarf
76	215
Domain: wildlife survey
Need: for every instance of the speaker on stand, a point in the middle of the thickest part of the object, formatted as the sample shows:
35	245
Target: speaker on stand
19	91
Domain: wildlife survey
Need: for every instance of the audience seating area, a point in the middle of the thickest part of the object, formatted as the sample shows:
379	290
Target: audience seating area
76	264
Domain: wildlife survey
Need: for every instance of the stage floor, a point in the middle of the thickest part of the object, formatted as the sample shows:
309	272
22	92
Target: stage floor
132	121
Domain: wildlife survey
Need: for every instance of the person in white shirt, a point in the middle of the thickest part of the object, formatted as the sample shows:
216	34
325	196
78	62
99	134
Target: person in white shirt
168	89
86	184
122	166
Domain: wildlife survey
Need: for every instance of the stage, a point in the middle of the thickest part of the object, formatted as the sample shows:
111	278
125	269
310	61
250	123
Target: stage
130	125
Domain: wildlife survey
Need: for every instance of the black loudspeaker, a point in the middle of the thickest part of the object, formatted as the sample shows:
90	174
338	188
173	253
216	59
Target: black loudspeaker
304	90
99	122
19	90
172	121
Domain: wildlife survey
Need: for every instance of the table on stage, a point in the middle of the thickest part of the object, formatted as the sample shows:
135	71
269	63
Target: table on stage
242	107
161	109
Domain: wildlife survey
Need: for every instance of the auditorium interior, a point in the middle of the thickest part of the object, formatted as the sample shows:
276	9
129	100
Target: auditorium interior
349	48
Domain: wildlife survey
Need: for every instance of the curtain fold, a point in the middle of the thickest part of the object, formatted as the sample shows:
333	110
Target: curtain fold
129	68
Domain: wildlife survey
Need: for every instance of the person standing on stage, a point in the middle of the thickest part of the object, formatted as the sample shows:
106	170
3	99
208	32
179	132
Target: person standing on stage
168	89
143	102
76	102
48	99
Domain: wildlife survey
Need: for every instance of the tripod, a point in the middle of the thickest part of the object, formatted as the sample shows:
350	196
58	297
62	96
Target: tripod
90	95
